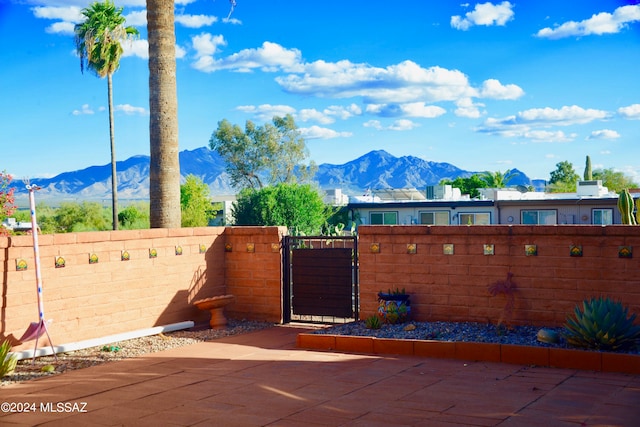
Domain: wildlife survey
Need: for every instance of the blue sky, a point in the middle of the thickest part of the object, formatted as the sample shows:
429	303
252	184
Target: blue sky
484	86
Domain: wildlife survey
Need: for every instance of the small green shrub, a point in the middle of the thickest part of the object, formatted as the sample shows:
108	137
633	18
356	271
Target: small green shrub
373	322
601	324
7	362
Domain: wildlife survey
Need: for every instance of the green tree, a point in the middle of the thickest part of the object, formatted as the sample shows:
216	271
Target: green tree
134	217
297	206
563	179
164	173
46	218
98	43
85	216
275	151
195	202
614	181
467	185
498	179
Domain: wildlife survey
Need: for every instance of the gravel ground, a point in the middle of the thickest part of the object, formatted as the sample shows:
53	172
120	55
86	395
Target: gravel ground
453	331
26	371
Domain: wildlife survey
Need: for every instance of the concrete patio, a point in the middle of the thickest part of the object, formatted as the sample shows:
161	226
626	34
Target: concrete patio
262	379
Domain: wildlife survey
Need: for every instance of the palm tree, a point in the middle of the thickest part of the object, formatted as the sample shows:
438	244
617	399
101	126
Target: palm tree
98	40
164	175
498	179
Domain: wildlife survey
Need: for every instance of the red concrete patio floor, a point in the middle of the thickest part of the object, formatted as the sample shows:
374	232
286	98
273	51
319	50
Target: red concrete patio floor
261	379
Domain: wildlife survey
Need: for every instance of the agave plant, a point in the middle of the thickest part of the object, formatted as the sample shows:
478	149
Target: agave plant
373	322
602	324
7	362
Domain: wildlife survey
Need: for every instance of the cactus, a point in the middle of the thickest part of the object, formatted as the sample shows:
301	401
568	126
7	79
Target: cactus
588	176
625	206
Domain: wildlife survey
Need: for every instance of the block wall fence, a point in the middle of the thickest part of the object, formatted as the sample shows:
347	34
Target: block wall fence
448	269
121	281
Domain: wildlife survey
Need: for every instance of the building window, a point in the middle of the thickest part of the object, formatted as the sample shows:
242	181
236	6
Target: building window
434	218
539	217
474	218
383	218
602	216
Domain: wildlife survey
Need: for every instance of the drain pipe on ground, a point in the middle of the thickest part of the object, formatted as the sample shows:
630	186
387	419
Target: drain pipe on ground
79	345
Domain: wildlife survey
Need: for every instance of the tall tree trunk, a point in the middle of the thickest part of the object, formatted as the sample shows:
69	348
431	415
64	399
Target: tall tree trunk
112	138
164	185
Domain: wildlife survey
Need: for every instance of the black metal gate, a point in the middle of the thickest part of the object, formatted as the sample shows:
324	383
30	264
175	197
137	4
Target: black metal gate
320	280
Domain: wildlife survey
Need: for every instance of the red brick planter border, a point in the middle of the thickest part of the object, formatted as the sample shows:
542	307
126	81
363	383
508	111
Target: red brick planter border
486	352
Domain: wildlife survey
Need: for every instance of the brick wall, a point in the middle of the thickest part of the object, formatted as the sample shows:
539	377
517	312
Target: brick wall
112	296
253	265
89	300
454	287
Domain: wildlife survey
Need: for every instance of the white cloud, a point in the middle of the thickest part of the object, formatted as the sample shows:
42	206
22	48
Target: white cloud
317	132
467	108
307	114
403	124
398	125
268	57
486	14
564	116
373	124
329	114
598	24
85	109
62	13
411	109
266	112
137	47
67	17
533	123
137	18
400	83
493	89
207	44
548	136
343	112
130	110
419	109
405	88
195	21
631	112
604	134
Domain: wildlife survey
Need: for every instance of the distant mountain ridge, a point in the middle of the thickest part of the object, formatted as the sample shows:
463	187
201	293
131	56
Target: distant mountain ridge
374	170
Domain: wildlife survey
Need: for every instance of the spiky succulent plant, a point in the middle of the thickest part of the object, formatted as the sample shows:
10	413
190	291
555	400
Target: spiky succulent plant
7	362
373	322
602	324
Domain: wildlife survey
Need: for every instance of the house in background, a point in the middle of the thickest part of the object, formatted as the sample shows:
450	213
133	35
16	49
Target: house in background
16	226
443	205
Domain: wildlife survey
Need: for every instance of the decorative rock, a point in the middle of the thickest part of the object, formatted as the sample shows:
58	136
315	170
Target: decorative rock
548	336
410	327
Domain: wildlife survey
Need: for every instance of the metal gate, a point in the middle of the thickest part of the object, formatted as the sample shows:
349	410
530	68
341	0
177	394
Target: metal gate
320	280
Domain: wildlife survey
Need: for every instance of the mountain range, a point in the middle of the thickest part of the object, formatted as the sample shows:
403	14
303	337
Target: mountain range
374	170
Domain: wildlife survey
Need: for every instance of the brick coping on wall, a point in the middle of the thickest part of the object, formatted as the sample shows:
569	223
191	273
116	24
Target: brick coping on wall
471	351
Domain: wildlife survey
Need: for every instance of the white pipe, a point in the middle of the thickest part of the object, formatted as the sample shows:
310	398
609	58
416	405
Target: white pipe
46	351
